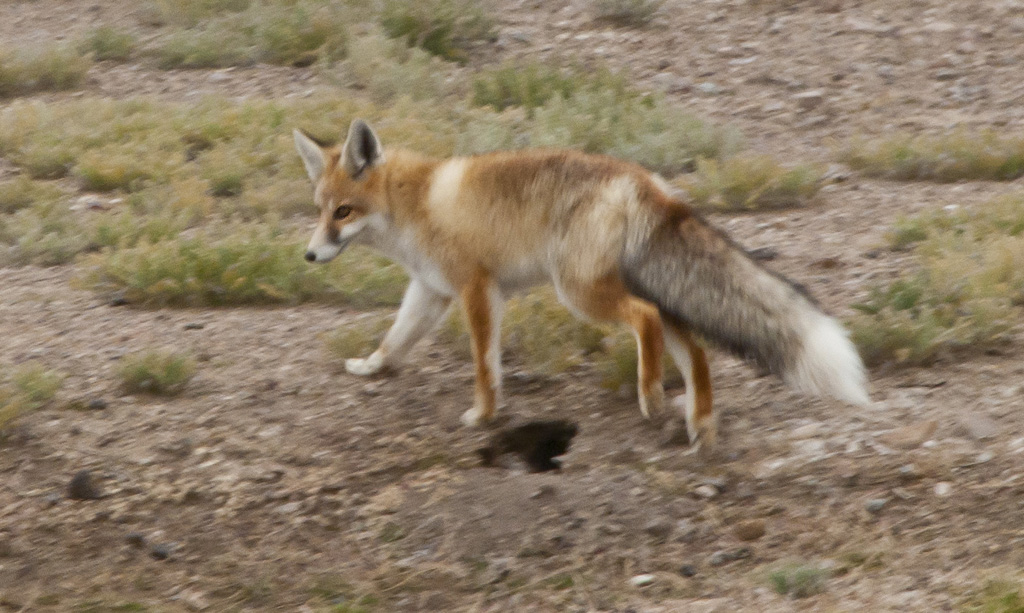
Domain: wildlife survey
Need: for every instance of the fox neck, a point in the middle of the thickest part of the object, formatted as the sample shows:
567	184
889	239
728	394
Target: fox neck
401	184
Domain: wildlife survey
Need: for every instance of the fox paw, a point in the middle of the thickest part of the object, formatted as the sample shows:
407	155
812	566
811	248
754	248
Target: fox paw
365	367
473	418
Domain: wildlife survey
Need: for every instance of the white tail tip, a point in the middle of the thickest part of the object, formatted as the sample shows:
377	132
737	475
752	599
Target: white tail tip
829	364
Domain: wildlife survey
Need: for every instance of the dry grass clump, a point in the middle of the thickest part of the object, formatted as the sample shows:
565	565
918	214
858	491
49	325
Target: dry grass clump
189	12
161	373
746	183
388	69
633	13
45	234
966	294
22	192
291	33
445	28
246	266
29	387
608	118
950	157
107	43
995	596
44	68
532	84
799	580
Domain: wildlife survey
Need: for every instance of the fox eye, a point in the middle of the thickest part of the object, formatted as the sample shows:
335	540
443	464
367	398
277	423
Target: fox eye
342	212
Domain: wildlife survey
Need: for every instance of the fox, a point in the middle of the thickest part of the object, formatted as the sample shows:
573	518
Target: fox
618	242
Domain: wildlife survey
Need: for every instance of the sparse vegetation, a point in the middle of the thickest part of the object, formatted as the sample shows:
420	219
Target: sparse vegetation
745	183
951	157
532	84
798	580
996	597
161	373
627	12
442	27
356	338
290	33
967	293
38	69
107	43
22	192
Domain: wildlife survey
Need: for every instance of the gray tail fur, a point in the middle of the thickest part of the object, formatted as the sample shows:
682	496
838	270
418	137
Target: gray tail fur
699	278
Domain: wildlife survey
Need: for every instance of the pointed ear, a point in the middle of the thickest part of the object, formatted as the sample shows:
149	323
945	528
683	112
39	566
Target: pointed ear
312	155
362	149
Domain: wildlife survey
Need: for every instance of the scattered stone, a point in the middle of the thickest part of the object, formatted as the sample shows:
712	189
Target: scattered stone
52	499
947	74
194	601
708	88
875	505
194	325
688	570
659	529
161	551
809	100
943	489
544	491
706	491
641	580
764	253
806	431
96	404
749	530
135	539
722	557
979	427
908	472
984	456
82	487
910	437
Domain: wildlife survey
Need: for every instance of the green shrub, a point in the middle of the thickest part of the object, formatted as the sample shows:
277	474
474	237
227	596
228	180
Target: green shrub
530	85
996	597
31	386
45	234
190	12
445	28
161	373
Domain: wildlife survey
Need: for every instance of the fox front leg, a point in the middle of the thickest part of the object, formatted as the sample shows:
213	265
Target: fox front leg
421	310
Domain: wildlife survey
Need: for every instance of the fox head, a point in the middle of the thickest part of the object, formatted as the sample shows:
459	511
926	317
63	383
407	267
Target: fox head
343	180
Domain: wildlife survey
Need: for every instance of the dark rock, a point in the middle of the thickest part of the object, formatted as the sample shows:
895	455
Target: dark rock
82	487
96	404
688	570
536	442
161	551
193	325
659	529
135	539
750	530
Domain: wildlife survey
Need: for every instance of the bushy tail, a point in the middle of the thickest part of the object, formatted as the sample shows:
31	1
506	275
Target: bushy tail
700	278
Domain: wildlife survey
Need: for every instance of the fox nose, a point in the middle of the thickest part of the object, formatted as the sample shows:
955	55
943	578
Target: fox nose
310	256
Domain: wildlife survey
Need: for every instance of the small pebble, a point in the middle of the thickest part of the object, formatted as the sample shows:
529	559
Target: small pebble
750	530
161	551
706	491
96	404
688	570
641	580
943	488
875	505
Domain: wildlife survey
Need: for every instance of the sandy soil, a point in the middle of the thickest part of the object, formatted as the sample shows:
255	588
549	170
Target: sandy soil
275	482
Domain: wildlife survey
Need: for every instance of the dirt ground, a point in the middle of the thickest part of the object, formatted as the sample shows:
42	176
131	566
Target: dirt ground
276	482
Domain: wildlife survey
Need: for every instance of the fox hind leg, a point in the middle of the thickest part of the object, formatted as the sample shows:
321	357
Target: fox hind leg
689	356
421	310
483	305
608	300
